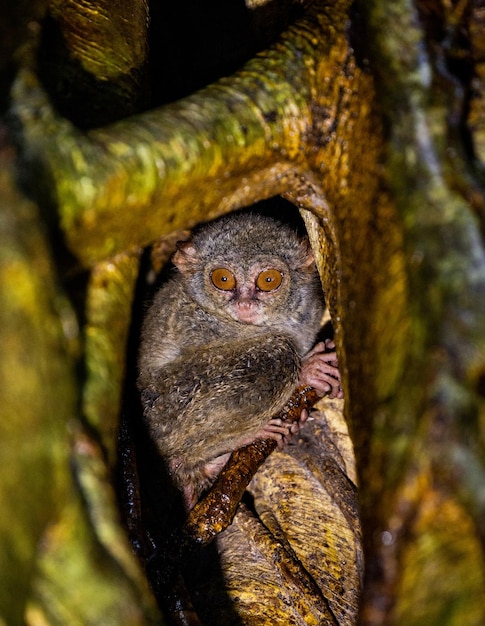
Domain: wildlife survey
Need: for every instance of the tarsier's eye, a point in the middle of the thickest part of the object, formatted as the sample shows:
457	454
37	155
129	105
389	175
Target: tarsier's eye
222	278
268	280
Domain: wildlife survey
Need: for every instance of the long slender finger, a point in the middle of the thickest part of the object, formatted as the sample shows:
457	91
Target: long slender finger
319	348
328	370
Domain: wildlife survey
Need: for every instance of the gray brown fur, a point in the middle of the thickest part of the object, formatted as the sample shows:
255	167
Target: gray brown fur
209	382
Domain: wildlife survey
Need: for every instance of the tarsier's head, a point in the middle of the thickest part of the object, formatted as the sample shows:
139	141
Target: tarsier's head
249	268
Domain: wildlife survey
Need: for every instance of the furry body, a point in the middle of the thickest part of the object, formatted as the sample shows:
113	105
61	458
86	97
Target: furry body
216	364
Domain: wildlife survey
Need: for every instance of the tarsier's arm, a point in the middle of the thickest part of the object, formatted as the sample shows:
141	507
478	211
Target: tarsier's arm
210	399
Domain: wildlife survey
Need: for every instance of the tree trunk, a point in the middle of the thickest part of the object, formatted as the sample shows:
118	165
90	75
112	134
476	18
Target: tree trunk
369	118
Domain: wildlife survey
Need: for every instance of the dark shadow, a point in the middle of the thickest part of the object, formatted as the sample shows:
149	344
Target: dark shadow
191	44
194	43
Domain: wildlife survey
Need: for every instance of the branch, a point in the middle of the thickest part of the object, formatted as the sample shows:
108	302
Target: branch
216	510
234	142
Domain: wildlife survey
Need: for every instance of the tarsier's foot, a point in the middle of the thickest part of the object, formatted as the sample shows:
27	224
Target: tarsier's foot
203	477
213	468
319	369
191	480
190	496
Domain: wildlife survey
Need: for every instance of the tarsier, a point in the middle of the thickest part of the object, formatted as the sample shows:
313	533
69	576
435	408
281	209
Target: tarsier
225	342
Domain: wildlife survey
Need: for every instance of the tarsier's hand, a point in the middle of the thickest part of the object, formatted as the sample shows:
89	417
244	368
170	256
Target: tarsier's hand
319	368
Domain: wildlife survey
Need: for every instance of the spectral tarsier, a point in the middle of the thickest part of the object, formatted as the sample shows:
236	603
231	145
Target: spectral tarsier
226	341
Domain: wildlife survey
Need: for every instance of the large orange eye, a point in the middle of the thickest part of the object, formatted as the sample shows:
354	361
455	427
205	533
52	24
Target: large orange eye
224	279
268	280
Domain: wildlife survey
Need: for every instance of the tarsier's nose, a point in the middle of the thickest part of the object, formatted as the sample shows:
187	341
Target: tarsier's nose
246	293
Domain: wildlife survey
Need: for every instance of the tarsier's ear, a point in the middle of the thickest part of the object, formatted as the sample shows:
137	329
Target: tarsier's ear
186	257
